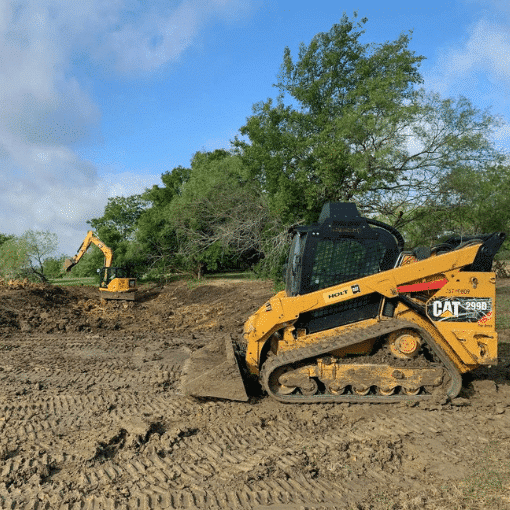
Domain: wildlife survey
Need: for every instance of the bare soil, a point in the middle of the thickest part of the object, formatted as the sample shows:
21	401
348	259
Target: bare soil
92	417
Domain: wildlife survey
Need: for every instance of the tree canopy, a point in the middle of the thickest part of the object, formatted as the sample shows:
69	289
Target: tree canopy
26	256
358	129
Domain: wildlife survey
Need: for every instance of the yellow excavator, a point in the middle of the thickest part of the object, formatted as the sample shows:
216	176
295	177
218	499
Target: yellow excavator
114	283
361	319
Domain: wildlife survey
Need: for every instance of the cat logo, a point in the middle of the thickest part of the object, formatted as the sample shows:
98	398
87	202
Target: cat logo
445	309
461	309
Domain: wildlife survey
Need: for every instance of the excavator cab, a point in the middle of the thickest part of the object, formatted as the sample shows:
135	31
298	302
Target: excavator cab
115	284
108	274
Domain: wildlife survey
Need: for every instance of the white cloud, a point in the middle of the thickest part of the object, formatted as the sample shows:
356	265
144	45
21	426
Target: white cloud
488	47
45	110
49	188
486	50
479	69
163	34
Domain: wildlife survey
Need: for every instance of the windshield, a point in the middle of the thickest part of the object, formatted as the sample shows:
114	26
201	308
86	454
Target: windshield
342	260
293	276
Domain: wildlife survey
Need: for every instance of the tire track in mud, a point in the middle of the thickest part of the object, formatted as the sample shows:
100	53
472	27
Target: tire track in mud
153	476
52	362
148	472
126	441
152	479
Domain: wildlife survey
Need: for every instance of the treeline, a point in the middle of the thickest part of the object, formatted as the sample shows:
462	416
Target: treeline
29	256
349	123
206	218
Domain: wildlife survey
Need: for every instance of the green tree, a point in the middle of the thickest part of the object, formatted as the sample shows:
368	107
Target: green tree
478	201
154	251
5	237
352	99
39	245
449	137
89	264
173	183
53	267
359	131
14	258
117	229
221	215
467	201
119	218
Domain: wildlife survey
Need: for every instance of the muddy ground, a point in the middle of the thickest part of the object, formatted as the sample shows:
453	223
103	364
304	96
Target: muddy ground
92	417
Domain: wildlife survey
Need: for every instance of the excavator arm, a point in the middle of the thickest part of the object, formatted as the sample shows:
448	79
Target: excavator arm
90	238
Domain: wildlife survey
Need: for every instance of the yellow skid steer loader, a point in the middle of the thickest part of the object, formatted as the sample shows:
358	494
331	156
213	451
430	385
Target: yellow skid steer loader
362	320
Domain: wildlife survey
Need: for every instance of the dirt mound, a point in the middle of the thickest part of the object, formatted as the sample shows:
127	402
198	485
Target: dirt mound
218	307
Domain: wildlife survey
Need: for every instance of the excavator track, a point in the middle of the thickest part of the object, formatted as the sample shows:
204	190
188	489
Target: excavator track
451	377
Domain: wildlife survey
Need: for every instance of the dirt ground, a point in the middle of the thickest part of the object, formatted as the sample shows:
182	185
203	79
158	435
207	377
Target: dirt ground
92	417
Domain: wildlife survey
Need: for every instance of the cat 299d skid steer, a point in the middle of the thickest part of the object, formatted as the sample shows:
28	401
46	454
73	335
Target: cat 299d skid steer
362	320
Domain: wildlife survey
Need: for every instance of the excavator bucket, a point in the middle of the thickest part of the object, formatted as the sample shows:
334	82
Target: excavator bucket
68	264
213	371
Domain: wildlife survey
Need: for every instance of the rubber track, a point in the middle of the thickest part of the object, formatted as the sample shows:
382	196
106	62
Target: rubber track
346	340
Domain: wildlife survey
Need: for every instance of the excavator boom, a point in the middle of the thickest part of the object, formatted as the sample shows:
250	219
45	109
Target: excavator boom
90	238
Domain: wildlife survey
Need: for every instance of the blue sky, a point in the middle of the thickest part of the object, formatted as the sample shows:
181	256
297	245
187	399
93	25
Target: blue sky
97	99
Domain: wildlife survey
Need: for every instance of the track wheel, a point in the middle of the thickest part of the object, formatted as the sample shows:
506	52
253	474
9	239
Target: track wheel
334	389
411	391
386	391
361	390
310	389
276	386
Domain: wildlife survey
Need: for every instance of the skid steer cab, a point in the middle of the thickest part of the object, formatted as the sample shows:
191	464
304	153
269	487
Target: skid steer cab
115	284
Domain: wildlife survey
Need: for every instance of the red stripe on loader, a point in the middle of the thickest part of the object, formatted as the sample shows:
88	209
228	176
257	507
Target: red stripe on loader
415	287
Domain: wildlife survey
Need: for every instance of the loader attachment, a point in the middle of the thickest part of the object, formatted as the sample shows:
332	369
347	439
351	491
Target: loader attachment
213	371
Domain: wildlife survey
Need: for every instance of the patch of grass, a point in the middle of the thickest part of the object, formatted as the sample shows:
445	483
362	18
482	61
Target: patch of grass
192	282
488	485
502	310
246	275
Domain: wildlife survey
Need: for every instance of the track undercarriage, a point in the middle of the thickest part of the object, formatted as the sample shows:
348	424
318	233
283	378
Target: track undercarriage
415	369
